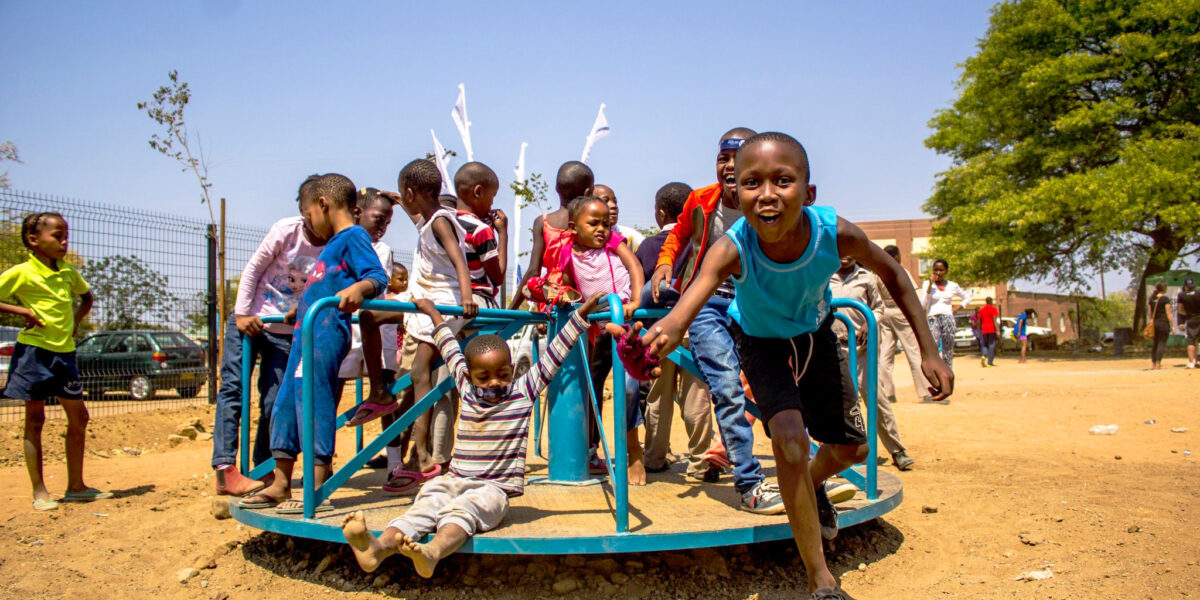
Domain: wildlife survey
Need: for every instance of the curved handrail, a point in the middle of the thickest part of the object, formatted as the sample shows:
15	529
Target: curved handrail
311	497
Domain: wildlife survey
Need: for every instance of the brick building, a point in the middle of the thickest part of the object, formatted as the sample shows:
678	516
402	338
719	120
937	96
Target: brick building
1057	312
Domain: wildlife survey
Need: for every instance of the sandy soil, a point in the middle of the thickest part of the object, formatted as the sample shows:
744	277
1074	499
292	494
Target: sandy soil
1008	480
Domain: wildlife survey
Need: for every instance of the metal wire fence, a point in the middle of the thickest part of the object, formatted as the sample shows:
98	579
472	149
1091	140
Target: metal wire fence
146	339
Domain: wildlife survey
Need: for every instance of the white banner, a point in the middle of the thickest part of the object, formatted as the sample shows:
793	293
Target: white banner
515	232
599	130
443	164
459	115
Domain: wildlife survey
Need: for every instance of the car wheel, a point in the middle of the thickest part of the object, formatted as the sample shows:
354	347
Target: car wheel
141	388
188	392
522	368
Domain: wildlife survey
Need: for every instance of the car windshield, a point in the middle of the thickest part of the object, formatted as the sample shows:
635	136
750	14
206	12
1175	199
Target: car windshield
171	339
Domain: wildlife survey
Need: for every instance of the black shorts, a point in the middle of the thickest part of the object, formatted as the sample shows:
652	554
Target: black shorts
36	374
809	373
1191	329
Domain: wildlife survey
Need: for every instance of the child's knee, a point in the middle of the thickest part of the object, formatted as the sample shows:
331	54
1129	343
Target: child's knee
790	441
35	421
850	453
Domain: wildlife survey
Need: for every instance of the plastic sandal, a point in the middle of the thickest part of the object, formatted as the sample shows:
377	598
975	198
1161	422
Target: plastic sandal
86	495
296	507
369	411
415	478
258	502
42	504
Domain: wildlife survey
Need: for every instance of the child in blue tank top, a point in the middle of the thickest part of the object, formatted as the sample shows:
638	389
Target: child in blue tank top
781	256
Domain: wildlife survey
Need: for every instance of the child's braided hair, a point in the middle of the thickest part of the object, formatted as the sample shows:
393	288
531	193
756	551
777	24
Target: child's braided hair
33	222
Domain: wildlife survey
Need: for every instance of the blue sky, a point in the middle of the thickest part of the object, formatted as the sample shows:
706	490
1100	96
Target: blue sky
282	90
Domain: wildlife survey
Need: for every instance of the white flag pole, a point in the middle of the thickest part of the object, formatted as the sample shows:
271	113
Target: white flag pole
459	115
599	129
442	162
516	232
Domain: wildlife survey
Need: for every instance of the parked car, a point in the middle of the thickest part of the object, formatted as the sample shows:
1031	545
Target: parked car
140	362
521	349
8	341
1040	338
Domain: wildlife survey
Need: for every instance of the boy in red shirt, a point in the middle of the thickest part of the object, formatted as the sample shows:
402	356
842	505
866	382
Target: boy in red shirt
989	317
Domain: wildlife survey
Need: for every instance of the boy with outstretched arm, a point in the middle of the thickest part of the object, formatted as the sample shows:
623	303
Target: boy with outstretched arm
781	256
348	269
488	466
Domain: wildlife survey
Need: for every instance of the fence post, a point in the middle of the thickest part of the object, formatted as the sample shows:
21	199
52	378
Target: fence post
211	310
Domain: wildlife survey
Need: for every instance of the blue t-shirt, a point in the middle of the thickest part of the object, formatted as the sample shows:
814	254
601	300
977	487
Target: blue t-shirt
775	300
1019	326
345	260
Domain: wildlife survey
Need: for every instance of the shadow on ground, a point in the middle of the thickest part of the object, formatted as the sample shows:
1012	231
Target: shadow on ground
772	569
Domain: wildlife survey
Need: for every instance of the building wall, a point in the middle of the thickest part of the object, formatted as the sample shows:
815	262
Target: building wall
1055	311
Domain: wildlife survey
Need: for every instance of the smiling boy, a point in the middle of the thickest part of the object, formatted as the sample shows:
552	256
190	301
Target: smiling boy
781	256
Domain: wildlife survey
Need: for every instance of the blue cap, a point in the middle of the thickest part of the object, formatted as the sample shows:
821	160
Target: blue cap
731	144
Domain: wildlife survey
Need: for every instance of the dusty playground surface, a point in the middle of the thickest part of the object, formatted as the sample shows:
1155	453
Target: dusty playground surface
1008	480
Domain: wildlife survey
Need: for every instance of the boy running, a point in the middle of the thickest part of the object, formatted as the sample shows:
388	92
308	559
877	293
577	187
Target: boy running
781	256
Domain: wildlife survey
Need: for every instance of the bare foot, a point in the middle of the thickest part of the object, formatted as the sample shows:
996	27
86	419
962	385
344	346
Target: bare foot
367	550
637	468
423	559
637	472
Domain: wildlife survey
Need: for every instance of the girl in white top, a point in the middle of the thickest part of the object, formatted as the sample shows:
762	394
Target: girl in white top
937	298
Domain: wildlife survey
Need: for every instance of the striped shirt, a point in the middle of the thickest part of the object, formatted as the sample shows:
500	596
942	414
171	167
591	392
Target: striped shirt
481	247
492	436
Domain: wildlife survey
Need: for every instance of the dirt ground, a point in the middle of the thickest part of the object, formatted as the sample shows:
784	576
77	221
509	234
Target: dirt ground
1008	481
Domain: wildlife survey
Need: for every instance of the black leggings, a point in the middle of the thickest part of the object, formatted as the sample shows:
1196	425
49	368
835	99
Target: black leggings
1161	331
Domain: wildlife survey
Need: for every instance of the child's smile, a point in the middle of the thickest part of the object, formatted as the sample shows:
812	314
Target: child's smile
772	185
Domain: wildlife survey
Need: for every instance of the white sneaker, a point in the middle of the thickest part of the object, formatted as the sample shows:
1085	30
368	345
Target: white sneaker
840	492
763	499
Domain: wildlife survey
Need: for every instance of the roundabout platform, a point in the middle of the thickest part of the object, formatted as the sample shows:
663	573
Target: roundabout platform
671	512
564	513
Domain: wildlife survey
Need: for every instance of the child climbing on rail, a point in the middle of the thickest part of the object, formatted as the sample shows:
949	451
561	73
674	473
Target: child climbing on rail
551	235
441	274
598	262
781	255
488	466
348	269
43	361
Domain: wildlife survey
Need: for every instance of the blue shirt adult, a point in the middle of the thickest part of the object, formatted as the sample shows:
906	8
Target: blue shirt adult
776	300
1019	326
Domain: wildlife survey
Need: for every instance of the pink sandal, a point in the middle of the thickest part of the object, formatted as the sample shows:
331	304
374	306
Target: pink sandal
369	411
415	479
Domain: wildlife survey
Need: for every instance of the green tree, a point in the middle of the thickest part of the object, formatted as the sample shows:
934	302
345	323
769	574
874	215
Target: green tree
1075	142
532	192
1106	314
129	294
196	320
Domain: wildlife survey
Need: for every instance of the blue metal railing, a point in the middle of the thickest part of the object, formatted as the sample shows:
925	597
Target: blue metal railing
507	322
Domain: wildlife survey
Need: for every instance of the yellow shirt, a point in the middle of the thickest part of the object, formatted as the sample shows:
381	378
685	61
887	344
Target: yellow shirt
48	294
